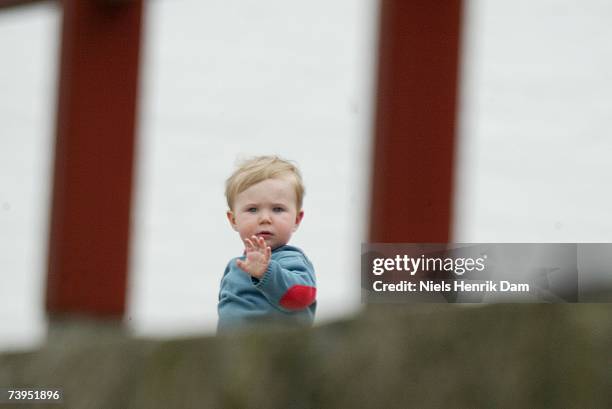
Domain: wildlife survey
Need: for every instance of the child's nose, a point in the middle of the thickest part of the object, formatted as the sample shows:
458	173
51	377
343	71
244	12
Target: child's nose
264	217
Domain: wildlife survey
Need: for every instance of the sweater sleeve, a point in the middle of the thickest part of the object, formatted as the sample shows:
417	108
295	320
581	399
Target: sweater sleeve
288	283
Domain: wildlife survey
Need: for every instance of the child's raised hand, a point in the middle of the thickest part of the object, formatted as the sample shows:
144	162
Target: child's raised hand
257	257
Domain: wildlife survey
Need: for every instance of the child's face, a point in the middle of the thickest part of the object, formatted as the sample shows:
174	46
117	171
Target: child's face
267	209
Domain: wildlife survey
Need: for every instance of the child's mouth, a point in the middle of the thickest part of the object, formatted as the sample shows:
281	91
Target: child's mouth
264	234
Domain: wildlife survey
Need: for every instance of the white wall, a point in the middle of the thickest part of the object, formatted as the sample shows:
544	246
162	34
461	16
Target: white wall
536	140
28	70
226	80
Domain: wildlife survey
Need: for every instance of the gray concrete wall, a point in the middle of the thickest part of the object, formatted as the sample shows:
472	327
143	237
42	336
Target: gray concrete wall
425	356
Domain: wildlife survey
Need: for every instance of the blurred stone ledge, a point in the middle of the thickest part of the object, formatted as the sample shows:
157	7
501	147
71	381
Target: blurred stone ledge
422	356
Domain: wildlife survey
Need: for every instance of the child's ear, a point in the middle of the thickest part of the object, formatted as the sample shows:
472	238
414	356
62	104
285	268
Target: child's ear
232	219
298	220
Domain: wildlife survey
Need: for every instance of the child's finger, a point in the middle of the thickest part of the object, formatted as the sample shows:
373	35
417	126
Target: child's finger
258	241
268	253
249	245
241	264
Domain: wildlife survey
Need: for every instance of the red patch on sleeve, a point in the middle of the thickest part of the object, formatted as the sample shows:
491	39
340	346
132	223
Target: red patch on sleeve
298	297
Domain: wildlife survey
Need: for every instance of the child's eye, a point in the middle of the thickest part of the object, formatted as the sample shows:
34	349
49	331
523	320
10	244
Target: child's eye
252	209
278	209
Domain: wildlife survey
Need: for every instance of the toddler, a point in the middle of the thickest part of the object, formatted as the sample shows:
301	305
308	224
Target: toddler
272	281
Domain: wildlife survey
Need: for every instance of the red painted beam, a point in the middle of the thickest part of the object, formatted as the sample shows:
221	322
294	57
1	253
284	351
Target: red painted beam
92	185
415	121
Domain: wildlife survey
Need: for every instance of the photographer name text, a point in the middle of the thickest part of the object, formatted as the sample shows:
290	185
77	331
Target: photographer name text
448	286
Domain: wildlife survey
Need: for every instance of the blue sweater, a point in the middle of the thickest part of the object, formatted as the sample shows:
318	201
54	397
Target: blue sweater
286	292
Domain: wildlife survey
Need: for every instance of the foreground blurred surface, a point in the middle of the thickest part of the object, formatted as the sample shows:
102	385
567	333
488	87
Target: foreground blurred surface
425	356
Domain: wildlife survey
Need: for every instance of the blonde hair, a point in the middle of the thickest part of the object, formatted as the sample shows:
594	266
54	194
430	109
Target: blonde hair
258	169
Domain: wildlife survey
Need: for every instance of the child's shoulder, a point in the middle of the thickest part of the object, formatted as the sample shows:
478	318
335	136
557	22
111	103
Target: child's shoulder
289	252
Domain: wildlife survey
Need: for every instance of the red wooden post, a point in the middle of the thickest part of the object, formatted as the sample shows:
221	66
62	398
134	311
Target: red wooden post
92	185
415	121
